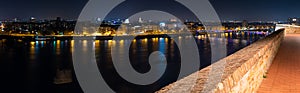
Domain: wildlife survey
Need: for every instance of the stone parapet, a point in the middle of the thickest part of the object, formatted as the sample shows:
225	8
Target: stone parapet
243	72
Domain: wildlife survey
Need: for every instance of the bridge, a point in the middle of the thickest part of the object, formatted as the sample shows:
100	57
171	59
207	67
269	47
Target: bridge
270	65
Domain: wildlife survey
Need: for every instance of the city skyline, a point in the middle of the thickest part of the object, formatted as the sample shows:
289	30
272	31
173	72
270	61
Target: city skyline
149	46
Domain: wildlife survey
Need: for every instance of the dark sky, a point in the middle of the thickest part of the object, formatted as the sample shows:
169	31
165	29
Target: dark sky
254	10
257	9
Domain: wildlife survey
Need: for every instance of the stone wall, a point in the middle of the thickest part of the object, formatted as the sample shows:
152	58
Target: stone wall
293	30
243	72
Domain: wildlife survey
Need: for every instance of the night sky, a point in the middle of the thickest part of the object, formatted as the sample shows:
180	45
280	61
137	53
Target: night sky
254	10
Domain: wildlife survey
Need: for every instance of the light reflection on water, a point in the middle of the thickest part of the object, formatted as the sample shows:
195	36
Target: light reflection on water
44	60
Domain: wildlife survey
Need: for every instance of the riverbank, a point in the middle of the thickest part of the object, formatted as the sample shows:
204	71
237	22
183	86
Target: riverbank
52	38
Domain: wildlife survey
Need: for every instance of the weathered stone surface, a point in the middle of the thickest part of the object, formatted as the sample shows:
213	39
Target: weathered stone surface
292	30
243	70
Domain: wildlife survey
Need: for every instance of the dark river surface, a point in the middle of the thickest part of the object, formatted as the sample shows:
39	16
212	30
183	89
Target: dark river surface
46	66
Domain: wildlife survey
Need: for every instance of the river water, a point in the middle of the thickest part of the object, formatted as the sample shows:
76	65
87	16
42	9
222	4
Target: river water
46	66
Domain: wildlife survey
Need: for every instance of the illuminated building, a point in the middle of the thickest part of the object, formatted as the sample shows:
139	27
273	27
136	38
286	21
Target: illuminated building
126	21
140	20
294	21
32	19
1	27
245	25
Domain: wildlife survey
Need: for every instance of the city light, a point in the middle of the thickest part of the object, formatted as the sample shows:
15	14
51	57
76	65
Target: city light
32	43
179	46
111	27
2	27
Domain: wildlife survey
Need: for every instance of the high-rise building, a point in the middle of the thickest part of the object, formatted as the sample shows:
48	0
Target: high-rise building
32	19
15	20
126	21
294	21
140	20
